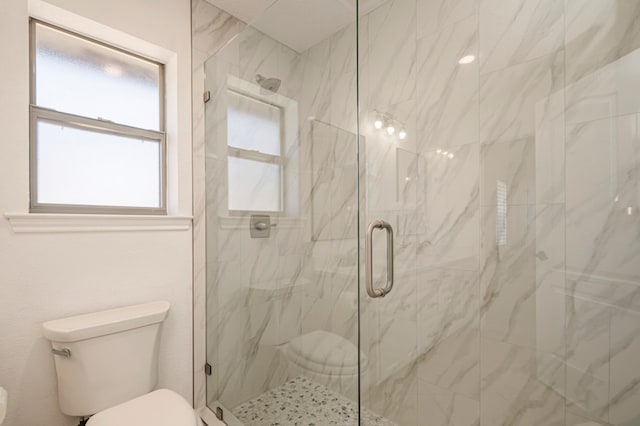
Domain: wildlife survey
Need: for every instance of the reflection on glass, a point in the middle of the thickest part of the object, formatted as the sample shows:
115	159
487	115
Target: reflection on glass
254	185
253	125
501	213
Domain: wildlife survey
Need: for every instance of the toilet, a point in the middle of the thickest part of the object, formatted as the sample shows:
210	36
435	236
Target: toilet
107	368
324	358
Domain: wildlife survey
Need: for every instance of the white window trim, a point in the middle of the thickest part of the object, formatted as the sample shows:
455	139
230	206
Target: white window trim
38	112
67	223
178	217
289	132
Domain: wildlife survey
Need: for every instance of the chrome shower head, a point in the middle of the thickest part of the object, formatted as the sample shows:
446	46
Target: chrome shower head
270	84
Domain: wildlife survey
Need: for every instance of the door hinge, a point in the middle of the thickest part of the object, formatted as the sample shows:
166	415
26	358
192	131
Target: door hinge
207	369
206	96
219	414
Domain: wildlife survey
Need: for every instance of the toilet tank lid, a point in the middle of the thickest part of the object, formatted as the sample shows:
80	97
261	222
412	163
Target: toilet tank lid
87	326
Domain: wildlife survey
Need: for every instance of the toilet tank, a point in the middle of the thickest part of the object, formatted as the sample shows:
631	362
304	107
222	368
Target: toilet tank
105	358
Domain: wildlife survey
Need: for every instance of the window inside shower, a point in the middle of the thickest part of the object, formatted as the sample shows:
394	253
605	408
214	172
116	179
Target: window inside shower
255	161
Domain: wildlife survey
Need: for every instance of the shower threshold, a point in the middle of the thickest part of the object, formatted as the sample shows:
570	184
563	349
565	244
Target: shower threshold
302	402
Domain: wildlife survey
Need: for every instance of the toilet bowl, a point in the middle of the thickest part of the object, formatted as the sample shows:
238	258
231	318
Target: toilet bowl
107	368
159	408
325	358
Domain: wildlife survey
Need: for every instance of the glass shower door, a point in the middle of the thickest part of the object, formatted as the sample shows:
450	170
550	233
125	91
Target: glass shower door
281	215
389	220
500	141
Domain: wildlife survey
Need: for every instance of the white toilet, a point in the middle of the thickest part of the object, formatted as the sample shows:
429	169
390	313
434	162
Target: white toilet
325	358
107	367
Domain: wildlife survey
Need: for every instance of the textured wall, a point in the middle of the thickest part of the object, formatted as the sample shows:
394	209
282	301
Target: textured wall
45	276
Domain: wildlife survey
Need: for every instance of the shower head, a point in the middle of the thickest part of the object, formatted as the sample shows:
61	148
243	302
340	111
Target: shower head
270	84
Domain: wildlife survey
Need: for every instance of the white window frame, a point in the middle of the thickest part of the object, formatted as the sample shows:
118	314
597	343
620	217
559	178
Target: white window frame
288	140
261	157
37	113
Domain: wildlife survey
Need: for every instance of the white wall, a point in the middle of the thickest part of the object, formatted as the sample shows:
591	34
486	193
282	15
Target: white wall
49	275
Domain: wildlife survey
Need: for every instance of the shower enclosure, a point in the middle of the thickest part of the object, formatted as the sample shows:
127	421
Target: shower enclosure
421	212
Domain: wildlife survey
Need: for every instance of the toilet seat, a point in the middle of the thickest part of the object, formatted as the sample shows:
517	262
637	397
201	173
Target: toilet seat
158	408
325	353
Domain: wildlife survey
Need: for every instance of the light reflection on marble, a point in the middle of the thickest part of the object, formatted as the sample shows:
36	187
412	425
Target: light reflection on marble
450	212
447	92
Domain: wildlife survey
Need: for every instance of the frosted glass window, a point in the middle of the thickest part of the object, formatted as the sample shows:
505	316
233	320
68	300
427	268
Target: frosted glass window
81	167
254	185
96	127
253	125
78	76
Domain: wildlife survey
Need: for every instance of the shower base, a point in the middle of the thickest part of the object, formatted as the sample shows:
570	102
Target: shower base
301	402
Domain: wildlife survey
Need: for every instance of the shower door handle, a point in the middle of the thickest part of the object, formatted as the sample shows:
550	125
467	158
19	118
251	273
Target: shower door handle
378	292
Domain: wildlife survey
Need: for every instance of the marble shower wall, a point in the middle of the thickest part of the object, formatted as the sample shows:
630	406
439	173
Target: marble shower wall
519	269
261	293
211	28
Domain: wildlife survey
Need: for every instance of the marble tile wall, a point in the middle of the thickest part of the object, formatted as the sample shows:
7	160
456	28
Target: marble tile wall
517	250
262	293
526	270
211	29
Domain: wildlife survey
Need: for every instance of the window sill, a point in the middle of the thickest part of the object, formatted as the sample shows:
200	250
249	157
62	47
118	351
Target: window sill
48	223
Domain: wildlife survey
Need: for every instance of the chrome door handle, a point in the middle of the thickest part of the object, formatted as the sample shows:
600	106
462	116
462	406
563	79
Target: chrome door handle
379	292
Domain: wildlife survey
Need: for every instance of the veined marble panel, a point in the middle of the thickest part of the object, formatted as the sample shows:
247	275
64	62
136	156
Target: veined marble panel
450	213
510	97
512	394
448	330
258	54
577	420
550	283
508	275
243	378
392	53
396	398
603	164
624	400
508	172
433	15
212	28
599	33
446	91
343	111
517	31
315	101
611	90
602	266
550	149
587	364
445	408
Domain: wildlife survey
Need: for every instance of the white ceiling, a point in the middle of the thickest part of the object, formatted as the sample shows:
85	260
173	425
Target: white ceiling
298	24
245	10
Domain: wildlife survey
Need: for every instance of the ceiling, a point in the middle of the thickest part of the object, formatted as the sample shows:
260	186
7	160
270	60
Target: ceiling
298	24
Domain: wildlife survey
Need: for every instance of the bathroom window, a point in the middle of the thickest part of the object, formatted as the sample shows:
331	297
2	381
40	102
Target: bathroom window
97	132
255	160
